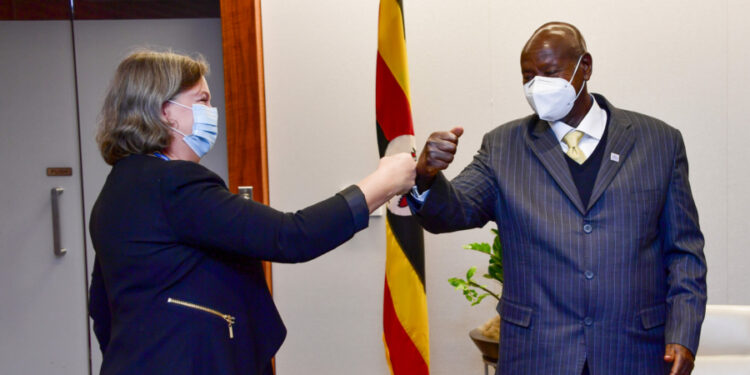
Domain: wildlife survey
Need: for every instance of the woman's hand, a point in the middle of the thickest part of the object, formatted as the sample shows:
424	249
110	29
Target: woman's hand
399	171
395	175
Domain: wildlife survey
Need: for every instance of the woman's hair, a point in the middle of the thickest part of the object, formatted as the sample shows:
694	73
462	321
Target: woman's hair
130	121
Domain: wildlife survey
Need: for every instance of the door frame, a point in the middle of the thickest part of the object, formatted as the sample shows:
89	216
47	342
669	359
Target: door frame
245	101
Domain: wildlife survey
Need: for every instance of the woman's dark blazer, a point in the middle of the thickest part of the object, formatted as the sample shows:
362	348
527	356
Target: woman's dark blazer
175	250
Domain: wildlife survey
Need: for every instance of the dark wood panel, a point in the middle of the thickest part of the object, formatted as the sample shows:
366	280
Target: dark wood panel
244	99
23	10
145	9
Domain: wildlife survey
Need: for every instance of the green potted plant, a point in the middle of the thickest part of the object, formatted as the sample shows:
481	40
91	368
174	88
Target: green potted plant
487	336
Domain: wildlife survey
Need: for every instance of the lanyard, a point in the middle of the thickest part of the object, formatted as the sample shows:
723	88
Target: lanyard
160	155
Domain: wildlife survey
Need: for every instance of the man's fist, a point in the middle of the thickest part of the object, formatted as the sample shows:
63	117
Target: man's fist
436	155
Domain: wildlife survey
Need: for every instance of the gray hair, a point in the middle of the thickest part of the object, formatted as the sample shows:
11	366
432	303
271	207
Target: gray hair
130	121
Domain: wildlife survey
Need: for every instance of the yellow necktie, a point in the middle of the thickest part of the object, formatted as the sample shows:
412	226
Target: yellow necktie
571	139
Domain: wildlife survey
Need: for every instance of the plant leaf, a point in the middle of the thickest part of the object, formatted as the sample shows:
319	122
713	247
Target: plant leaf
497	247
482	247
494	269
479	299
469	287
456	282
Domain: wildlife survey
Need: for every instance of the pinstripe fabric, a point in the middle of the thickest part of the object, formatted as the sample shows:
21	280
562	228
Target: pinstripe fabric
610	283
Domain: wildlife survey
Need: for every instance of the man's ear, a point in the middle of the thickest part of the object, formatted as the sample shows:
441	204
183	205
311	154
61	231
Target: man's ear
587	63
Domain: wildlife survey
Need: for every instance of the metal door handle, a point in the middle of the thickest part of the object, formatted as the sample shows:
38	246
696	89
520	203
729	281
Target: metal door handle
57	242
245	192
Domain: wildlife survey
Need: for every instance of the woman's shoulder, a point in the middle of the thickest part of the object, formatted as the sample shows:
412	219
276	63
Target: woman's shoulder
181	172
173	170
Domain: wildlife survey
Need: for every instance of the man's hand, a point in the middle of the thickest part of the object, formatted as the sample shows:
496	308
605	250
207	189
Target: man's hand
436	155
681	358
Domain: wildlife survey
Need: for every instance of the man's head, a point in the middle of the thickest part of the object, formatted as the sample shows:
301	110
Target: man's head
553	51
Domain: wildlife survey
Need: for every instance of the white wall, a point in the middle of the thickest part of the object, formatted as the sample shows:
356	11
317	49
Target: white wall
737	266
681	61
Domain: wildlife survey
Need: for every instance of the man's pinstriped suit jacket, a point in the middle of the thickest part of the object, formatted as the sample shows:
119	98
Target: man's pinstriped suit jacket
610	283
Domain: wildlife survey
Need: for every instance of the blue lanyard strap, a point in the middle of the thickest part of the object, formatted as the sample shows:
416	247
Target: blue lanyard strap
160	155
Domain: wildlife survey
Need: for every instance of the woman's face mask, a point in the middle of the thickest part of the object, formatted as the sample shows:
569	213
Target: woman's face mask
205	128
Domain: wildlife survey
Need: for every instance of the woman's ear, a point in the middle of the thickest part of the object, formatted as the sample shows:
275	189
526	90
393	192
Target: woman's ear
166	113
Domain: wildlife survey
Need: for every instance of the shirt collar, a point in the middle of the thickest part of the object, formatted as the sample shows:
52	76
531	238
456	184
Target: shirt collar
592	124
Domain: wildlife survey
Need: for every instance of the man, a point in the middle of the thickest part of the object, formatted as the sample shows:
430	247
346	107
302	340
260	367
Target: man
604	265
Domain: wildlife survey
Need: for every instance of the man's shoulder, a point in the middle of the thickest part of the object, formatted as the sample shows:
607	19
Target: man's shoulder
651	129
641	122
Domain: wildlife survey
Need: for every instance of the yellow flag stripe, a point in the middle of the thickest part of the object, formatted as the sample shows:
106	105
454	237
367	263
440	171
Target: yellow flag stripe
407	292
392	42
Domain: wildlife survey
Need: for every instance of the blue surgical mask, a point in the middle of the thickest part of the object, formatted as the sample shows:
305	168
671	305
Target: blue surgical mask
205	128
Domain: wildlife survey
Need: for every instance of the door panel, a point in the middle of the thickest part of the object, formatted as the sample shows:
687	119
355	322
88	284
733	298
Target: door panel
43	310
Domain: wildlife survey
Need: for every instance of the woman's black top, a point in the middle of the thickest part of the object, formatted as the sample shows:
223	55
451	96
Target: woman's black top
178	285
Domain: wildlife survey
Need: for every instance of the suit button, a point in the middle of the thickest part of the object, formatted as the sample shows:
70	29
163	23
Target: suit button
588	321
589	275
587	228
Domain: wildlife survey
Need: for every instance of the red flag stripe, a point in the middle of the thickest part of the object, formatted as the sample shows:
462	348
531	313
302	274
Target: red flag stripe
392	108
404	356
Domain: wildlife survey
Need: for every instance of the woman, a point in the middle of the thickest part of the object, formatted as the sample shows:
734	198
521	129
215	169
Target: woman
178	285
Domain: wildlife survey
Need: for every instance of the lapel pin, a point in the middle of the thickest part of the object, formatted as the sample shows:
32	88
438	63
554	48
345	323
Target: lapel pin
614	157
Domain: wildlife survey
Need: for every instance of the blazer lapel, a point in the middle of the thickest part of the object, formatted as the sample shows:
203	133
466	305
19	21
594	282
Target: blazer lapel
620	140
545	146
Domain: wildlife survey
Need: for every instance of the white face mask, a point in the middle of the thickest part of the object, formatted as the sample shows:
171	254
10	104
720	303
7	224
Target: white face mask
552	98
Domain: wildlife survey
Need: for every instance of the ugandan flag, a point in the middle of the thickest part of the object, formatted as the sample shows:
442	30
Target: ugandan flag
405	327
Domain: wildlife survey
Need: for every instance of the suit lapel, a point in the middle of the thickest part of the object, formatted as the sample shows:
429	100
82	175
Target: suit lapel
620	140
545	146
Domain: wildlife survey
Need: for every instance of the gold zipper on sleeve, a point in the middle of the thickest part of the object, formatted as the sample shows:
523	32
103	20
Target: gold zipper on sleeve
228	318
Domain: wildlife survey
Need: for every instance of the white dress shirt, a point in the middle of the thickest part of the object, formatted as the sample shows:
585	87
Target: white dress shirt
592	126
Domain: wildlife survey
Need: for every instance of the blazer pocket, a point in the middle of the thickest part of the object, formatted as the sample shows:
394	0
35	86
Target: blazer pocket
653	316
194	306
515	313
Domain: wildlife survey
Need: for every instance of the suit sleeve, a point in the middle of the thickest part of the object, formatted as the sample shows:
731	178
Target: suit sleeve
204	214
468	201
686	264
99	307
